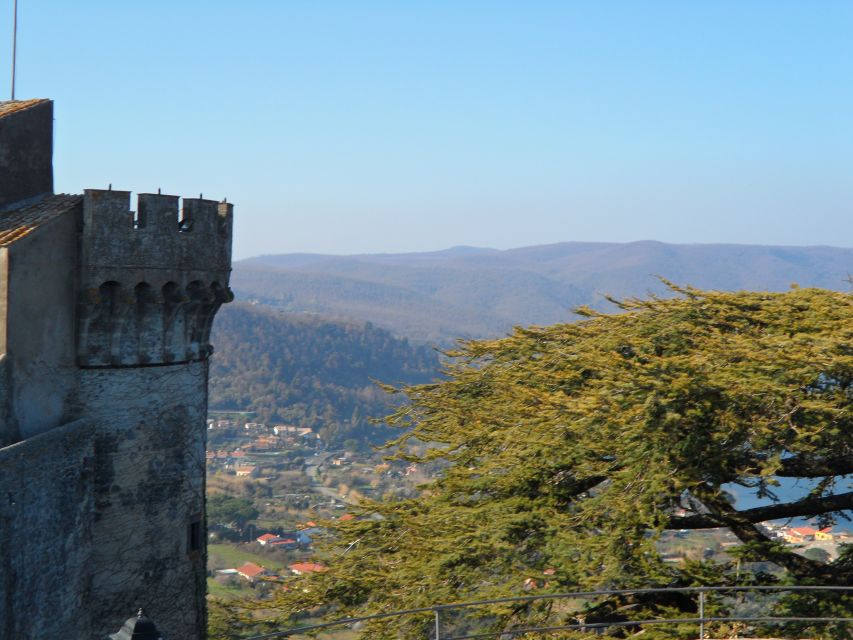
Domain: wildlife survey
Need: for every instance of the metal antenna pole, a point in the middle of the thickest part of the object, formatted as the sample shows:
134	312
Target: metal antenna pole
14	45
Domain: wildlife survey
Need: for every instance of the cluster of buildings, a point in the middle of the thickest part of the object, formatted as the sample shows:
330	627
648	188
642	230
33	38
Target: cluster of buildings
262	433
288	541
252	572
803	535
297	541
241	441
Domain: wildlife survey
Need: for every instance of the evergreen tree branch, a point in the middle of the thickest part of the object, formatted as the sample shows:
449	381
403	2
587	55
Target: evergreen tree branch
805	507
831	466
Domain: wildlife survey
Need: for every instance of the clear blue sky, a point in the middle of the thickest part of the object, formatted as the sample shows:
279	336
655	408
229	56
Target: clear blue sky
360	126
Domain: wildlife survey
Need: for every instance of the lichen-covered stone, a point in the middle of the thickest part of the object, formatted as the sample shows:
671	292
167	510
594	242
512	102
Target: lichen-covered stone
46	529
149	490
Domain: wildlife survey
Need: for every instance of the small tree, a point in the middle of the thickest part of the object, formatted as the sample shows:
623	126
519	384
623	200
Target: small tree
230	511
818	555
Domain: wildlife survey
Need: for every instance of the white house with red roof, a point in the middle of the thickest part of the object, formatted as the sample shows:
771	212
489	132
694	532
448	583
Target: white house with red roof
247	471
267	538
303	568
251	571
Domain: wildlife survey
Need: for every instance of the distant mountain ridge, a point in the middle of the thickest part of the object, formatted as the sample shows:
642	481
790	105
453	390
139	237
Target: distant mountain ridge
477	292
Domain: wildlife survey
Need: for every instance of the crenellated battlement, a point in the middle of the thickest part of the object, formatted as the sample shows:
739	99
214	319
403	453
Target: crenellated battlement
151	280
159	234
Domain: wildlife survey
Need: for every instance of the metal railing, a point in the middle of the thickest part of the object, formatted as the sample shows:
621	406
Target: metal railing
701	620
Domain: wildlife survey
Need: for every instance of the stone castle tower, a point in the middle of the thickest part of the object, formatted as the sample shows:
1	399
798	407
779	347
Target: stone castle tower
105	317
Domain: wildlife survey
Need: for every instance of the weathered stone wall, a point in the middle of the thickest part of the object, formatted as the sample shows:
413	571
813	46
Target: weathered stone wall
106	515
40	277
46	524
26	149
149	495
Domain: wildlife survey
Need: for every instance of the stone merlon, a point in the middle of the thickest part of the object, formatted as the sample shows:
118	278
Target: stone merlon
159	235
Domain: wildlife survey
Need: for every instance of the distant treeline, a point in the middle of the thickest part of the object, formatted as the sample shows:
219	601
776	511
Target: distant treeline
309	371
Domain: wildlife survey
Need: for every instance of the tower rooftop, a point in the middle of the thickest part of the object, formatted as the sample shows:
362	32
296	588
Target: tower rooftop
22	221
8	107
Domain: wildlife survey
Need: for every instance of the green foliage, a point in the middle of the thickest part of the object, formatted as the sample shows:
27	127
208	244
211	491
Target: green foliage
311	372
818	555
569	449
225	620
819	604
228	510
813	605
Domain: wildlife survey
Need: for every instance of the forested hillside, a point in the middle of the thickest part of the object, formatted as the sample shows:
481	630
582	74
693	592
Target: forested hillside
289	364
469	292
309	371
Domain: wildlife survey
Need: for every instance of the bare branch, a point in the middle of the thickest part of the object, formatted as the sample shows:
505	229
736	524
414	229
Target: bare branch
805	507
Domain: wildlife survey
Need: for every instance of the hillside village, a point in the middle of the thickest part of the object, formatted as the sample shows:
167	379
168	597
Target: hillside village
295	483
252	444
